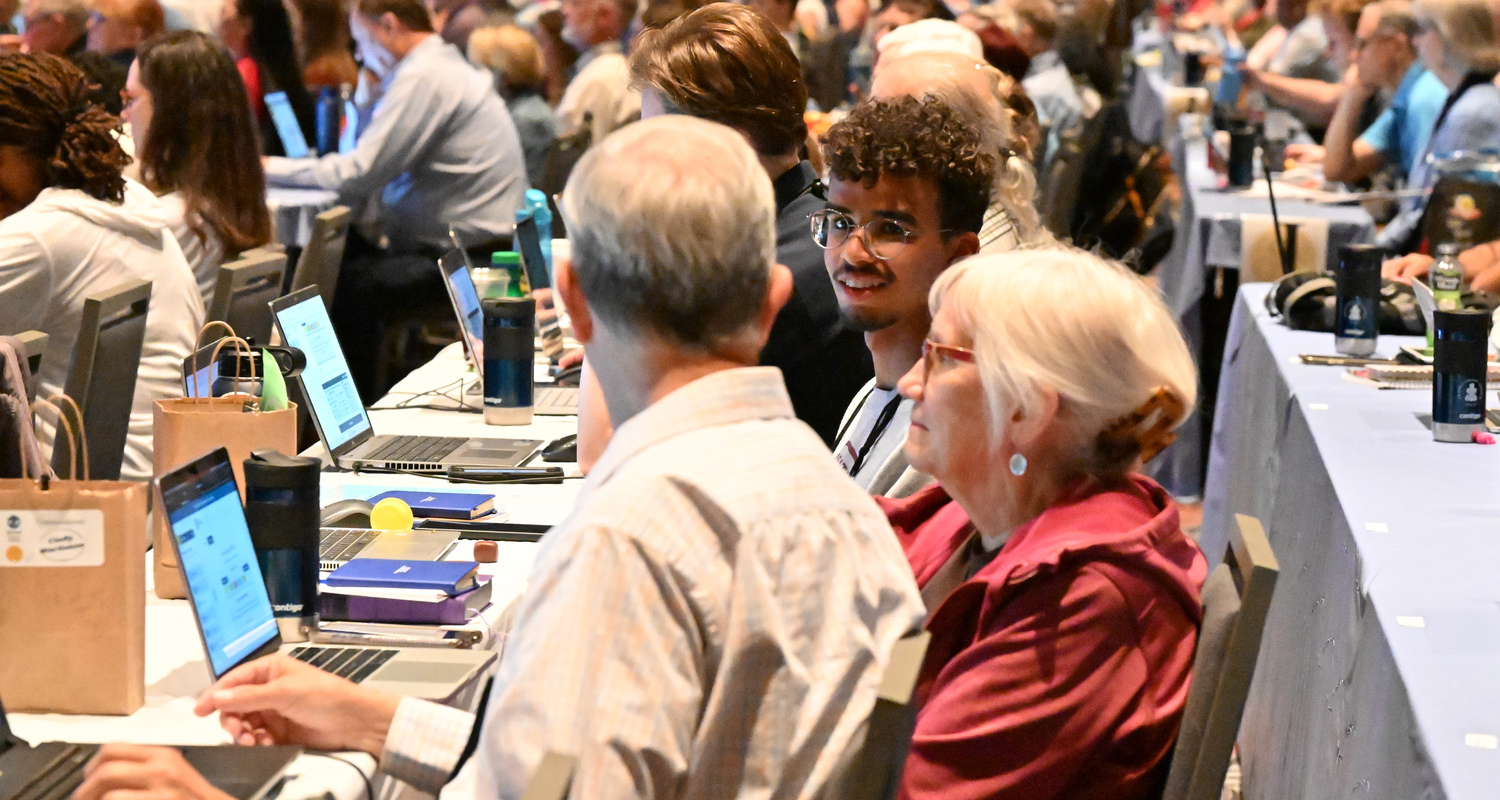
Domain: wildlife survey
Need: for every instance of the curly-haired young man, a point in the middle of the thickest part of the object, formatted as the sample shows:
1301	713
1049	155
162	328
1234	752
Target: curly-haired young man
910	182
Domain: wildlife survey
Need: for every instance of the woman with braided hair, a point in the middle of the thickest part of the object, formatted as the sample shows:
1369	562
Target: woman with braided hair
1062	596
72	225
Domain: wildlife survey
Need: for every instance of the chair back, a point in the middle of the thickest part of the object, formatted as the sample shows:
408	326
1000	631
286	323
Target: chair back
106	358
1236	598
34	343
324	253
245	289
875	773
552	779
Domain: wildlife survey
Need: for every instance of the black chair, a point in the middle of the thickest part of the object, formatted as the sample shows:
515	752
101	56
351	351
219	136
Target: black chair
552	779
320	260
1236	598
875	773
35	343
106	358
244	291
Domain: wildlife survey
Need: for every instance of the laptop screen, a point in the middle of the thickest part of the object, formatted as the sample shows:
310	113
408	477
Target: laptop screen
465	299
326	380
285	120
218	560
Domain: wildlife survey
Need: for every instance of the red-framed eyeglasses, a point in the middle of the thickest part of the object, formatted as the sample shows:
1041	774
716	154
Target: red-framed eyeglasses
936	351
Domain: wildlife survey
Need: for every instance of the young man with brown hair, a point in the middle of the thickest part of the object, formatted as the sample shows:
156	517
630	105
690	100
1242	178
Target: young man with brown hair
730	64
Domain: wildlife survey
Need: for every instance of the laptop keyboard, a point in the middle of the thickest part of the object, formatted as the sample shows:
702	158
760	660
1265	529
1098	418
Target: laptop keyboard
556	397
416	449
354	663
339	545
60	776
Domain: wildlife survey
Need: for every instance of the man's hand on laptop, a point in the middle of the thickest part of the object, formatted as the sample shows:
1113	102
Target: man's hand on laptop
132	770
280	700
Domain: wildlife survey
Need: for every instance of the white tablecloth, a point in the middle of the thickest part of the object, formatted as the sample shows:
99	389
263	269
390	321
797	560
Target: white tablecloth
293	211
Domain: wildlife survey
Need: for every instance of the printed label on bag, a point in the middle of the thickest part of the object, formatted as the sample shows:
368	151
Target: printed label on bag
52	538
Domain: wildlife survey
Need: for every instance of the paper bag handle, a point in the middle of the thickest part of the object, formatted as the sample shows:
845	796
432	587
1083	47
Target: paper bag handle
66	423
238	345
232	336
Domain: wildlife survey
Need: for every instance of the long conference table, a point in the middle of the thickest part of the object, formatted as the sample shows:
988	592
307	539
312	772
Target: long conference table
176	671
1203	266
1379	672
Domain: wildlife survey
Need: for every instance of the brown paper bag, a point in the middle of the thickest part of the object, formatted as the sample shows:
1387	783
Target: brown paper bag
72	595
185	428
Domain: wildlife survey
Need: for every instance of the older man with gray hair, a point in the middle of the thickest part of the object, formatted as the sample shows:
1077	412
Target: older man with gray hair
713	618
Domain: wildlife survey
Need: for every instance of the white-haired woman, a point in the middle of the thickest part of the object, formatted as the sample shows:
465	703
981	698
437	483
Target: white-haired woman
1062	595
1456	42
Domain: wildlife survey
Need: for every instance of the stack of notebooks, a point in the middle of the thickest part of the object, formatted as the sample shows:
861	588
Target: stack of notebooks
405	592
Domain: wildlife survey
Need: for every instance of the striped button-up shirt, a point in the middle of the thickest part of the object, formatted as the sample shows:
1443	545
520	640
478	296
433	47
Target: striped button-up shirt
711	621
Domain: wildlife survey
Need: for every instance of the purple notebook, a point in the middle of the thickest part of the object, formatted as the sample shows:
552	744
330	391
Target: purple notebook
448	611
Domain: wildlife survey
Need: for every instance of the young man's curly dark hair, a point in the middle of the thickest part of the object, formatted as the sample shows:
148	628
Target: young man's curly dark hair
915	136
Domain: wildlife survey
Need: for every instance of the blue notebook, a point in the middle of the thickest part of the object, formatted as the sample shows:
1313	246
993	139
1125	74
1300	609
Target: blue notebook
447	505
450	577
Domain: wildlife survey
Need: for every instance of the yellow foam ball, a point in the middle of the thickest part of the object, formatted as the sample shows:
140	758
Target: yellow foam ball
391	514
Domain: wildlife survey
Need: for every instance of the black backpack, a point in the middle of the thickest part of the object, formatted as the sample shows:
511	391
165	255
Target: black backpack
1122	210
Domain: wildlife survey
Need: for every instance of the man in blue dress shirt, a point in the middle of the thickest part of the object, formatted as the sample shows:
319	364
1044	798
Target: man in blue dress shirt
1385	58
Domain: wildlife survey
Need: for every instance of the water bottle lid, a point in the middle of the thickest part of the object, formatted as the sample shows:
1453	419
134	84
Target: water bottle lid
1361	256
270	469
518	308
506	258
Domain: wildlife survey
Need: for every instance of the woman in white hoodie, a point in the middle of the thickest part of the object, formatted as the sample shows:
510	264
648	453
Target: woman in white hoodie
71	225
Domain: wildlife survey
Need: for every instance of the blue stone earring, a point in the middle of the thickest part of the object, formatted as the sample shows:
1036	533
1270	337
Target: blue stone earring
1018	465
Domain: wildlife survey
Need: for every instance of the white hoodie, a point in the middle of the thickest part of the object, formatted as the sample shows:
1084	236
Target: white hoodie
67	245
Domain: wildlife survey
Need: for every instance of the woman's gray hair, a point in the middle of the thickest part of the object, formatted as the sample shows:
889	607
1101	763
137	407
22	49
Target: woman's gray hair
1088	328
1468	32
672	223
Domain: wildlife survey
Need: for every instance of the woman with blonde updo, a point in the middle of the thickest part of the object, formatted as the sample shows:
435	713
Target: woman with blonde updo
1062	595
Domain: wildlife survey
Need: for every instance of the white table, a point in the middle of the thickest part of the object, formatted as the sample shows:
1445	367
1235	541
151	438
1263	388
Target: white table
293	211
175	669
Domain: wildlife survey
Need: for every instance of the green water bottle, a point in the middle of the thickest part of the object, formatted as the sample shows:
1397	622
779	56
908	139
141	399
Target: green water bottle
511	263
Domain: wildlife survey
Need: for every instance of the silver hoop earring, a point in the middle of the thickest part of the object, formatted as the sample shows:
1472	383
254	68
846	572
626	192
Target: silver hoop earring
1018	465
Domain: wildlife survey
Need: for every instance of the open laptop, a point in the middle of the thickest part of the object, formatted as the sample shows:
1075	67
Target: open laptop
340	417
233	611
293	143
556	401
52	770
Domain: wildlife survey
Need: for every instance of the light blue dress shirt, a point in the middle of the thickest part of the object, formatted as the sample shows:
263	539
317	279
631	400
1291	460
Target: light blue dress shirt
1400	132
440	149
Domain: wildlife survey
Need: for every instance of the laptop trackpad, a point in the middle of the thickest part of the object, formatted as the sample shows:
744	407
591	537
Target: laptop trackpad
413	670
492	452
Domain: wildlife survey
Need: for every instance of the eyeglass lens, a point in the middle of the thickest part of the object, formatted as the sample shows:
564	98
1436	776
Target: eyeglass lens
885	237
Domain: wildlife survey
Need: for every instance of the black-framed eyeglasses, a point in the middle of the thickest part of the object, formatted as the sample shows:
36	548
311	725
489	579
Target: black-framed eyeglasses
884	238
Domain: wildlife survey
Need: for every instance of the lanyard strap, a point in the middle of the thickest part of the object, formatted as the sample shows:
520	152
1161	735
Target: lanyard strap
881	423
1470	81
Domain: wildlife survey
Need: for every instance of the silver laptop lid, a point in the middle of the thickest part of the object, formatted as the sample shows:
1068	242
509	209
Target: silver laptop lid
337	410
465	299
